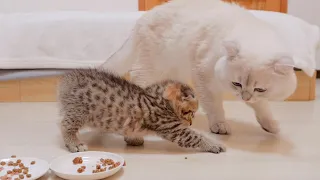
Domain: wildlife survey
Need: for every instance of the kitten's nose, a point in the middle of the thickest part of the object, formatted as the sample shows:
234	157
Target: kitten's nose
246	96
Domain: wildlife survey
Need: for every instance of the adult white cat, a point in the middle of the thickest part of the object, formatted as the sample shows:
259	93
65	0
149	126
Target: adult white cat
217	45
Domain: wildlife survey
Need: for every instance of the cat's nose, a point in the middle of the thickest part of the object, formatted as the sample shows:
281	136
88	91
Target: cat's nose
246	96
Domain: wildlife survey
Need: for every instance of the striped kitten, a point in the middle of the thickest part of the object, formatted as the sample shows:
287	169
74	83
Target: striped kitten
101	100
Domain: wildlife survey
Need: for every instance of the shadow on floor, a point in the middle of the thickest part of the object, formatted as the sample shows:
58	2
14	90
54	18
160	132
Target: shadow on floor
245	136
249	136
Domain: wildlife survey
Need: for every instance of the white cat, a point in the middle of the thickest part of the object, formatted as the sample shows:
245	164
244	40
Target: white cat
219	46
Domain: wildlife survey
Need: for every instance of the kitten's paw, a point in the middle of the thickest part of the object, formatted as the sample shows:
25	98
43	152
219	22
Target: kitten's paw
77	148
134	141
270	126
221	128
217	148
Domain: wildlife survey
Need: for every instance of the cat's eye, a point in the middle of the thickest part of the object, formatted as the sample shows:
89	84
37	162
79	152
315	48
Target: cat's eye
188	96
237	84
259	90
186	112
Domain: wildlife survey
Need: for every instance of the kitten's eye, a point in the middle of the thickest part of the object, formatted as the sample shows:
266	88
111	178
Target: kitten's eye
259	90
186	112
237	84
188	96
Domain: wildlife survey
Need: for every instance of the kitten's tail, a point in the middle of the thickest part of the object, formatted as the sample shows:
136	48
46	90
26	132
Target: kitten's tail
121	61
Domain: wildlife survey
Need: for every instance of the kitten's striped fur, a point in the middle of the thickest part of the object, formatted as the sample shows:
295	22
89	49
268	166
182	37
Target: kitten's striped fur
102	100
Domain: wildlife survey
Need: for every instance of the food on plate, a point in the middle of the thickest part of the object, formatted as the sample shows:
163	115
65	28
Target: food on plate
101	165
77	160
80	170
15	170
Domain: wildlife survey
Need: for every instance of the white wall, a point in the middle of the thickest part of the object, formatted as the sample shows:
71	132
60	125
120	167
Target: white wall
7	6
309	10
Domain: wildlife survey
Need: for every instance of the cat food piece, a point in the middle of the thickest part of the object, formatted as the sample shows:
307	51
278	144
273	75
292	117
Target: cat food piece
21	176
18	161
80	170
13	156
114	165
108	162
9	172
28	175
33	162
3	163
103	169
10	163
77	160
117	164
25	171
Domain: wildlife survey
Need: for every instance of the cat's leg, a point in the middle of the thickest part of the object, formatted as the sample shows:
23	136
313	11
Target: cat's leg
211	100
70	125
264	116
134	141
131	132
189	138
141	74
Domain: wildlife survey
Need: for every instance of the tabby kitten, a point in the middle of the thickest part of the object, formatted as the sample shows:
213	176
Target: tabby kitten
104	101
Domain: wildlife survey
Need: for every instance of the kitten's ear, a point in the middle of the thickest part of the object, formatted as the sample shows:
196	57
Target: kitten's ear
232	49
283	65
172	91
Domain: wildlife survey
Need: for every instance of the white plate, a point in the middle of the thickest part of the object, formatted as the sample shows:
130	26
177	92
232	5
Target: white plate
37	170
63	166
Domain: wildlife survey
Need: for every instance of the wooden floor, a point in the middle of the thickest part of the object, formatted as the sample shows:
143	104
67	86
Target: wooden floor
44	89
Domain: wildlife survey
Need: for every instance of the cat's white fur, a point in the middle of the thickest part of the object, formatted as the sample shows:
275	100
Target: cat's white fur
215	44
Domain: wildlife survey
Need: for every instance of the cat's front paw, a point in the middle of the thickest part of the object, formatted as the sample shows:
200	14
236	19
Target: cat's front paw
270	126
220	128
81	147
134	141
217	148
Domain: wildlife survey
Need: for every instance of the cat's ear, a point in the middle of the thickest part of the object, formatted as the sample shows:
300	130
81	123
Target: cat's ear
172	91
232	49
283	65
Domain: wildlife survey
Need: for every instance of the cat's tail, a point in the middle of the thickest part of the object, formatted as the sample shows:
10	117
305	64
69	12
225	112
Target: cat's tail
121	61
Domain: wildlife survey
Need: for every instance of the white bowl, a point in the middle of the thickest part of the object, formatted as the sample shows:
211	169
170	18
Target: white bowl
37	170
64	168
